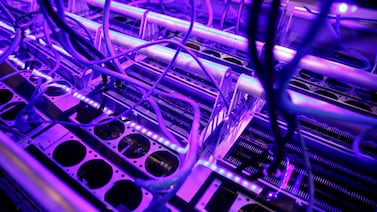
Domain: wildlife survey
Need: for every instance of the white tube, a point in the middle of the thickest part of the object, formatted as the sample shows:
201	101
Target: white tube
316	64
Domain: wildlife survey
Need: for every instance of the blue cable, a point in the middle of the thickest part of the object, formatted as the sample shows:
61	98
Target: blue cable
356	145
170	65
158	203
16	40
106	36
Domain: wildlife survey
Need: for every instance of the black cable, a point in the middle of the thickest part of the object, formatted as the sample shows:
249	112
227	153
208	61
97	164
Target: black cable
252	37
20	17
81	49
82	27
273	88
270	42
308	167
61	24
265	73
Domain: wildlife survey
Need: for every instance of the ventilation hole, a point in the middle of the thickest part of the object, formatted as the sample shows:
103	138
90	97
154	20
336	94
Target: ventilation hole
124	194
120	18
161	163
211	52
110	131
193	46
233	60
5	96
253	208
300	85
359	105
69	153
327	94
57	91
335	84
32	64
136	145
4	44
12	109
311	76
95	173
367	95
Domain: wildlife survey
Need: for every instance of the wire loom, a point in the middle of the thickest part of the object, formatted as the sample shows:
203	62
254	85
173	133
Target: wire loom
196	146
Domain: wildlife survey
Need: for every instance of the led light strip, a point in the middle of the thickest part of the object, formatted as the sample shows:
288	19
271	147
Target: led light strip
253	187
49	79
83	98
96	105
132	124
64	87
22	65
33	37
106	110
158	138
87	100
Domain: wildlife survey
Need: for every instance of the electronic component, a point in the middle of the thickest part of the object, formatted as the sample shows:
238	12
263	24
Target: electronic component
179	105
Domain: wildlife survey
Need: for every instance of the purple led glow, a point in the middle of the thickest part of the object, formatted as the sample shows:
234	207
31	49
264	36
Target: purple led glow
15	60
158	138
231	176
221	171
81	97
353	8
270	194
344	8
35	72
287	175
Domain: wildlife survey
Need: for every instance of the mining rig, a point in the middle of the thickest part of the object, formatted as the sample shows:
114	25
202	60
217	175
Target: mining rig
188	105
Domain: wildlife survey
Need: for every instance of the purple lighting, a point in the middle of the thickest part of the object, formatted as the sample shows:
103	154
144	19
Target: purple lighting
231	176
344	8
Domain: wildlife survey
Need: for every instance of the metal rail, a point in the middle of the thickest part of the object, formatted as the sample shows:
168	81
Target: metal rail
165	54
246	83
316	64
